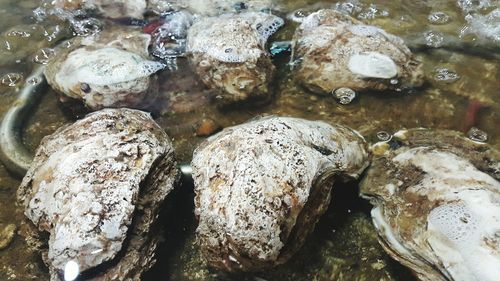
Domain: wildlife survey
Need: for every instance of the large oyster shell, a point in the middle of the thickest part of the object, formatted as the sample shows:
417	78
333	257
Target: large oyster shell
331	50
228	53
437	204
110	69
262	186
96	187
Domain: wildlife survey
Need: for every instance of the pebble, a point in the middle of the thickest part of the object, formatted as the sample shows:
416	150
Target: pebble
207	127
7	235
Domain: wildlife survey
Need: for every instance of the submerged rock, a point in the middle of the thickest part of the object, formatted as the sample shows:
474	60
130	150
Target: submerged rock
262	186
96	187
110	69
331	50
228	53
436	196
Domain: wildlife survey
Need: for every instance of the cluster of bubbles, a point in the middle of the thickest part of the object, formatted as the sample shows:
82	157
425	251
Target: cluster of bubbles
477	135
169	39
43	56
445	75
11	79
438	18
434	39
360	10
81	24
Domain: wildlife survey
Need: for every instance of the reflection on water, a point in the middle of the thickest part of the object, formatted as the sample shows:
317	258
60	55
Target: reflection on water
459	80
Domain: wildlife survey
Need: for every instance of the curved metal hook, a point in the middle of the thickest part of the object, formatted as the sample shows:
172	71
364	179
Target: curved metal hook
13	153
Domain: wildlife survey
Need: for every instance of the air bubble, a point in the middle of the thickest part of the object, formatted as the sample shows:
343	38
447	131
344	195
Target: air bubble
394	81
33	81
43	56
478	135
344	95
87	27
169	40
384	136
298	16
18	33
12	79
434	39
438	18
446	75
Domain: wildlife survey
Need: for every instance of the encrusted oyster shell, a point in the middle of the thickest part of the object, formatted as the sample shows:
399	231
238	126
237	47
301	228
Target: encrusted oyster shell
110	69
228	53
96	187
262	186
331	50
436	200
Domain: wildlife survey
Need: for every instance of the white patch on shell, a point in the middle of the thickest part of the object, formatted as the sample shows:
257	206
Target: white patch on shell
456	222
104	66
373	65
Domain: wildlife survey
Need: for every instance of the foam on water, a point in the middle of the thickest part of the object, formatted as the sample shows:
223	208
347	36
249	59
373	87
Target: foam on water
104	67
456	222
483	26
247	40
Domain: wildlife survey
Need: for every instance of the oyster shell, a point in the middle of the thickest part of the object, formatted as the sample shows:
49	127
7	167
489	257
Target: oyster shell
262	186
436	196
228	53
96	187
331	50
110	69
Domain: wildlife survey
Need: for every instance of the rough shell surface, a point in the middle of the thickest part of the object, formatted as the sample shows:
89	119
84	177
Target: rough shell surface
108	8
228	53
436	204
110	69
86	186
326	51
262	186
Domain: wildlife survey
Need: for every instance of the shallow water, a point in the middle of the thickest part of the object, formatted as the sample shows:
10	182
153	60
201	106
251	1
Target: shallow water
344	242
